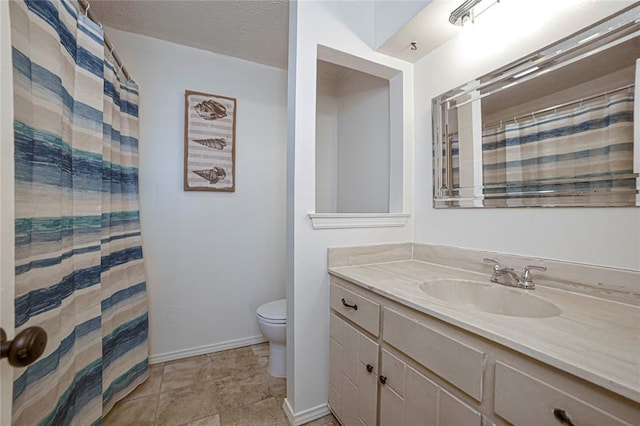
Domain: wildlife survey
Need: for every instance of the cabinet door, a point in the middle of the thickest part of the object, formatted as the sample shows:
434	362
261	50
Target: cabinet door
353	394
409	398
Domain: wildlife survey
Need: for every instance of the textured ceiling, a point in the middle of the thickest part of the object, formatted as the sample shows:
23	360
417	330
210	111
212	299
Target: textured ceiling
255	30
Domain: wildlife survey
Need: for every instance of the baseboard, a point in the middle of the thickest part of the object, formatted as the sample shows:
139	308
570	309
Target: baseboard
206	349
306	416
288	411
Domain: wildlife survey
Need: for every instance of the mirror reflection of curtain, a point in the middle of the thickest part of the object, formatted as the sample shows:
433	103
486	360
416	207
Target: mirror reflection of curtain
587	146
451	161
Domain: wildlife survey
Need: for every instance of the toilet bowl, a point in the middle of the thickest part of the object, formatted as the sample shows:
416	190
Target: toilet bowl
272	320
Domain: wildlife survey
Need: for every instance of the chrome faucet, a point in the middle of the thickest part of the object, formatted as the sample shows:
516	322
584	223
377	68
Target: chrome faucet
503	274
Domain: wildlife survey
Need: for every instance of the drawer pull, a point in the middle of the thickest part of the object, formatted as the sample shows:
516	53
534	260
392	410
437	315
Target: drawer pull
369	368
562	417
354	306
383	379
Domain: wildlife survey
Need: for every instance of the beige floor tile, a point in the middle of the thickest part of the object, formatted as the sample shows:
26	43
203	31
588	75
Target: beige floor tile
247	377
260	350
207	421
221	371
137	412
181	406
241	358
203	368
177	379
221	389
150	386
190	363
277	386
267	412
240	396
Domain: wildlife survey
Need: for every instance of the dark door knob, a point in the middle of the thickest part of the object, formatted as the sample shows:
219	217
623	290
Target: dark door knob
25	348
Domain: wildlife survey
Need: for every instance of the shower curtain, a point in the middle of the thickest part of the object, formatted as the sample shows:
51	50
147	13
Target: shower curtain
587	147
79	266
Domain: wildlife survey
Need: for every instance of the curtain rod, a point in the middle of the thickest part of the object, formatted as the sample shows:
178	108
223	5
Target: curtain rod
86	6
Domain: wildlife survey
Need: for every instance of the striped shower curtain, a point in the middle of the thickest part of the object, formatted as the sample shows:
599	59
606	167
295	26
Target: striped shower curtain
79	266
586	148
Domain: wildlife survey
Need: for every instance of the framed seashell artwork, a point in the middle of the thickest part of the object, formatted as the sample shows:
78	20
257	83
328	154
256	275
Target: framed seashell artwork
209	142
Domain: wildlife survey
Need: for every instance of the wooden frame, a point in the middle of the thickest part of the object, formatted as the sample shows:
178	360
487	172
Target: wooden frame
209	142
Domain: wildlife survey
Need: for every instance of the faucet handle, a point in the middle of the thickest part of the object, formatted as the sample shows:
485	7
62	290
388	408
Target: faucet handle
526	274
497	266
538	268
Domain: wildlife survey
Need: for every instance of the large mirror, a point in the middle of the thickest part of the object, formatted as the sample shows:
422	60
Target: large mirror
555	128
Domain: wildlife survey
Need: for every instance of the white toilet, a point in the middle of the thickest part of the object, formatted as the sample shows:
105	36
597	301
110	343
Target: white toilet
272	320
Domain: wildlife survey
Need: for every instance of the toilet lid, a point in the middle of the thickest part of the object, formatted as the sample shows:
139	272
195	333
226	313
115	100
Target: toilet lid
276	310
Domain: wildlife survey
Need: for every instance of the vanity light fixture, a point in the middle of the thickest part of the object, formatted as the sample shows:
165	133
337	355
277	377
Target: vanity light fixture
467	12
463	12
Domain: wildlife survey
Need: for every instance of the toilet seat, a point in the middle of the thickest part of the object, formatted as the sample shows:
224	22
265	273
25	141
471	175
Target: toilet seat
274	312
271	321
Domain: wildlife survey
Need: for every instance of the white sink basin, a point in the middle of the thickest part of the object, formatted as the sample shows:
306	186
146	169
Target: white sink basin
490	297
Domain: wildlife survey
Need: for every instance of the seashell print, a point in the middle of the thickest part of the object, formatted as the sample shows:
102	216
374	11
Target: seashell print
217	143
211	110
212	175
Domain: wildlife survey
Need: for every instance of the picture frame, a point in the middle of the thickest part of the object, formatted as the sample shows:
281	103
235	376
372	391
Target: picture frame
209	142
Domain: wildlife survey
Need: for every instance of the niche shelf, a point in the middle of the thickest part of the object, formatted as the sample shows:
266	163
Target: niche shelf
359	143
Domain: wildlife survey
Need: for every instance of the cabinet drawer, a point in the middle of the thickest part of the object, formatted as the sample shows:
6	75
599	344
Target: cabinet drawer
363	312
524	400
454	361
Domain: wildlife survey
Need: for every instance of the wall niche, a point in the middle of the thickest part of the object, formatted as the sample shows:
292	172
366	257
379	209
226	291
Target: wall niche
358	135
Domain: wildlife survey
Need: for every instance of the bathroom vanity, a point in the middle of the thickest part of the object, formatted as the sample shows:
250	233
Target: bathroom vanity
403	351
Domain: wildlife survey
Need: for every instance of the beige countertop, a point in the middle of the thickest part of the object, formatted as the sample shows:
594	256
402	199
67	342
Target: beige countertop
595	339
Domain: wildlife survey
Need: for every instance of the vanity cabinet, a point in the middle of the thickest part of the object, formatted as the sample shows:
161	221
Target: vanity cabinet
458	363
353	379
525	400
408	398
393	365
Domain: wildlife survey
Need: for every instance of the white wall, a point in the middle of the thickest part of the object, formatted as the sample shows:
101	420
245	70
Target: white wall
211	258
363	144
352	144
313	23
327	146
601	236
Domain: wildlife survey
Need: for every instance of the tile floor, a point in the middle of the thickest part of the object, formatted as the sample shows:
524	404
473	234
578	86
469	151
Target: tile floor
220	389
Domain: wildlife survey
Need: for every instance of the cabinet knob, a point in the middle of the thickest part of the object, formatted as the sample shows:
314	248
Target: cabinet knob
369	368
345	304
25	348
562	417
383	379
